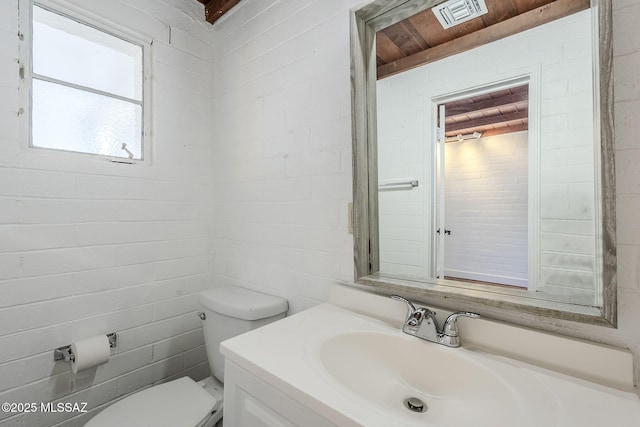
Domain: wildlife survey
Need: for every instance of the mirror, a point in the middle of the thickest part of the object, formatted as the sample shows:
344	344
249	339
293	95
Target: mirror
483	167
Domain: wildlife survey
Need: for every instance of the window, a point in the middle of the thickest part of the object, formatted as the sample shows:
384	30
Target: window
88	88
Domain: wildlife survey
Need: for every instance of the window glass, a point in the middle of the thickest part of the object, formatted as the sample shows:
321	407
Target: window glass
87	88
66	50
65	118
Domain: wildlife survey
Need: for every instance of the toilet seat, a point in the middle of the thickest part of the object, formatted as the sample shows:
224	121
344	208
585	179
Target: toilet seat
178	403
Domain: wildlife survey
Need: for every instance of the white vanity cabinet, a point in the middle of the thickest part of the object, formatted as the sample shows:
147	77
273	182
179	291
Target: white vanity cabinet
251	402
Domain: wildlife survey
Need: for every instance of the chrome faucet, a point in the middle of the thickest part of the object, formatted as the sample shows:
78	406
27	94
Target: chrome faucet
422	323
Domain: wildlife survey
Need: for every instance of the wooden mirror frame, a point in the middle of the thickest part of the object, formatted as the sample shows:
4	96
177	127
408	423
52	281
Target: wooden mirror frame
365	22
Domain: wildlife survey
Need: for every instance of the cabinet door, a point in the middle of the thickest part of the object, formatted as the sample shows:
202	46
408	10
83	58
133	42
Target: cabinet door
251	402
252	412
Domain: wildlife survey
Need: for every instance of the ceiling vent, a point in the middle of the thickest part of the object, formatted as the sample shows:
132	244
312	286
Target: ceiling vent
454	12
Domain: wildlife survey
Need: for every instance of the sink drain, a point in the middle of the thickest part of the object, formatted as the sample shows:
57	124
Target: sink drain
414	404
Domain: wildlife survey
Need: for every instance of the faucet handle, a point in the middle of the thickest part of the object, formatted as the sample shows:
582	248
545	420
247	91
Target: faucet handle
410	307
414	315
450	327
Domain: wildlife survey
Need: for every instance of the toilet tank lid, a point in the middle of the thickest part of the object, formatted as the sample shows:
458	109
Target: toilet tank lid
242	303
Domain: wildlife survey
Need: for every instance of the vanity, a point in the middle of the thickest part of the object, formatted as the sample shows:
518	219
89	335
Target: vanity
348	363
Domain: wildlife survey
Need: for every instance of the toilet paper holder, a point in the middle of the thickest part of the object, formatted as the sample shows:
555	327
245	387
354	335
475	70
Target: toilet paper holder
64	353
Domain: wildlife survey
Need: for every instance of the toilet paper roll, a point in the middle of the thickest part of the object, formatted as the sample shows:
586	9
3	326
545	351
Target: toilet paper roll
89	353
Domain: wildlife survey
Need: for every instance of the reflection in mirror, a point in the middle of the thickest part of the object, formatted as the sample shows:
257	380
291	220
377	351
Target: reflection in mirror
472	224
486	160
482	189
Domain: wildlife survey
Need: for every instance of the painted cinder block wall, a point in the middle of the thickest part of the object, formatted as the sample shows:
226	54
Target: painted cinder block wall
281	99
89	247
486	209
282	148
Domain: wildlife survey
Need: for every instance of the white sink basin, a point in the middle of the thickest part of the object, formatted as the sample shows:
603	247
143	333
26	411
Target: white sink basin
356	370
459	387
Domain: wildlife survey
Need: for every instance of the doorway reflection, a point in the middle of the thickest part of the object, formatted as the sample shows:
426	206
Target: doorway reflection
482	188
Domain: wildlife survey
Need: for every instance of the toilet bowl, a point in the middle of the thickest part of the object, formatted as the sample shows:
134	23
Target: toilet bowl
227	312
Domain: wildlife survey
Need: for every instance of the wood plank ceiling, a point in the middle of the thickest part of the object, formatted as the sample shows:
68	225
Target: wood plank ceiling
215	9
421	39
490	114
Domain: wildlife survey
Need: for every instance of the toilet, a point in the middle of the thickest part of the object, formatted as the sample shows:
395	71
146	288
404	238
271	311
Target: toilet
227	312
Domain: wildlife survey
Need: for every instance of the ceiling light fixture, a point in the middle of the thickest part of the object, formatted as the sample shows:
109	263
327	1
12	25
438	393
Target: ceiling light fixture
464	137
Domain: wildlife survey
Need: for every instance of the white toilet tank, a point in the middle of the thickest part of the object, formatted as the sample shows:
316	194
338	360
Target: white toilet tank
231	311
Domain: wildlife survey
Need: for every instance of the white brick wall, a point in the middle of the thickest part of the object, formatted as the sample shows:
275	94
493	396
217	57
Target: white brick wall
486	209
88	247
558	55
403	154
282	153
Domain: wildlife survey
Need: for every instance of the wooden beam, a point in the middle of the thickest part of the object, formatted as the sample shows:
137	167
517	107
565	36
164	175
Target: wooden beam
495	131
488	104
525	21
214	9
506	129
487	121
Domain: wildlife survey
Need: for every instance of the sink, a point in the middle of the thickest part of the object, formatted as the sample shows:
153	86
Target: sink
458	386
351	368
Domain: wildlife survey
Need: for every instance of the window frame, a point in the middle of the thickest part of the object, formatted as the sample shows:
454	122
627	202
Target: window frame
84	17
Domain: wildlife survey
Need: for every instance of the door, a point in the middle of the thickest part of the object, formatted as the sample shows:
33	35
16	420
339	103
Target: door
480	233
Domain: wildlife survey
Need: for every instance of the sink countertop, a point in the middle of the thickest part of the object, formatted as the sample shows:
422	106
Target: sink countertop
285	354
279	354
